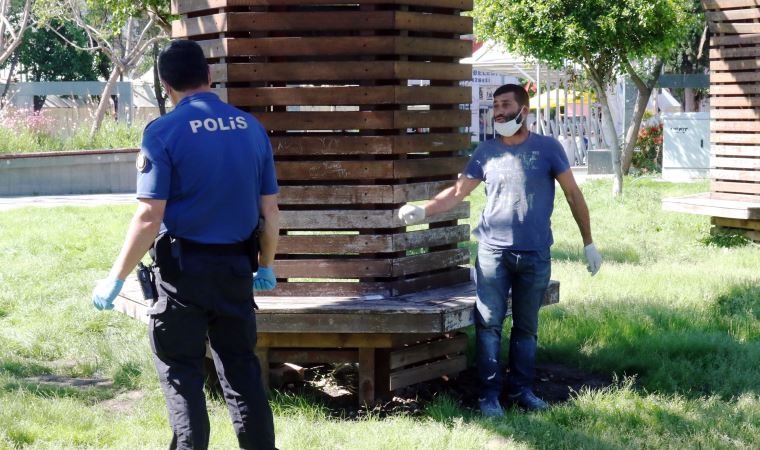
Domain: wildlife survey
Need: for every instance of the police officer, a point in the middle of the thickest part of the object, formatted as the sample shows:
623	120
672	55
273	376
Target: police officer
514	236
206	176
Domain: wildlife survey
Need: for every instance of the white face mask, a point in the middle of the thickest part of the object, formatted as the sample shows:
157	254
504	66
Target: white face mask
510	127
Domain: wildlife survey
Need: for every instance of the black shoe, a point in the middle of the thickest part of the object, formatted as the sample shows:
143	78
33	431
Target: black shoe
528	401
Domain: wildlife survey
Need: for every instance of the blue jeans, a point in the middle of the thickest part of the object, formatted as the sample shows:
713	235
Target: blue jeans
527	274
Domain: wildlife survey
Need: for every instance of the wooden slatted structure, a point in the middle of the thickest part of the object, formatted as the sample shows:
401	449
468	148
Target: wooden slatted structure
734	197
362	102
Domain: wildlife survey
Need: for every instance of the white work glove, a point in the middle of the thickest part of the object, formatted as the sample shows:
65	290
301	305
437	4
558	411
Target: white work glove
593	259
411	214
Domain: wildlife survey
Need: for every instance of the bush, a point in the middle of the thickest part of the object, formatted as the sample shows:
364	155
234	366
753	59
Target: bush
27	132
647	155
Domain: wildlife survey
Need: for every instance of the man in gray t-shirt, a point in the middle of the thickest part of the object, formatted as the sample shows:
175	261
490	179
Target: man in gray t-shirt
514	236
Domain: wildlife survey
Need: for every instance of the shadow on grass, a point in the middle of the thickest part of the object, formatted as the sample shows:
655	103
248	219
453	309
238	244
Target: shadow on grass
47	386
669	349
41	381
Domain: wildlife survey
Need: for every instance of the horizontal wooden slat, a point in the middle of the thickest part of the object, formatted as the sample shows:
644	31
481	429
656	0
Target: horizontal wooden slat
735	89
391	288
356	194
186	6
734	138
354	95
740	52
339	71
333	170
339	244
735	64
735	175
364	268
733	39
734	14
735	77
746	126
714	204
335	195
336	46
734	28
359	219
416	168
406	377
753	113
725	4
291	21
427	262
736	223
428	350
735	163
728	186
735	150
363	120
735	102
310	144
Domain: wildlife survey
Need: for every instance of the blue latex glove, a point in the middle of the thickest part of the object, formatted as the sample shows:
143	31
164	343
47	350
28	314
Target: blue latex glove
264	279
105	292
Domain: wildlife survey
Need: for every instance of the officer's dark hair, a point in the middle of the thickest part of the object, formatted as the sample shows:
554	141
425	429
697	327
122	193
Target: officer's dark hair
521	96
182	65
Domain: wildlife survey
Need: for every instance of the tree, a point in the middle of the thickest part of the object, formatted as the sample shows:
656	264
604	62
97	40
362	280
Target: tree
691	56
45	55
605	37
123	30
14	19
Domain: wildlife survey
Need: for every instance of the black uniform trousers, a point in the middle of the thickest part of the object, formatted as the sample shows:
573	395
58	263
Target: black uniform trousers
211	297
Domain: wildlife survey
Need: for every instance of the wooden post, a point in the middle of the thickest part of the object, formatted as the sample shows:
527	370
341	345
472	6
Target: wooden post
262	353
367	376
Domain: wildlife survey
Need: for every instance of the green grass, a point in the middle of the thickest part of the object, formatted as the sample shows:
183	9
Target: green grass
674	316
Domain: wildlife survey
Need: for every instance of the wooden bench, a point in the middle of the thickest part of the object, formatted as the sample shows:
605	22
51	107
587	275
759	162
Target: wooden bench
396	341
737	212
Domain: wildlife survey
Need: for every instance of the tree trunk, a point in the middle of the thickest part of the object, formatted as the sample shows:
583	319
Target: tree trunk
11	71
632	134
38	101
642	98
160	100
105	98
610	137
613	142
689	105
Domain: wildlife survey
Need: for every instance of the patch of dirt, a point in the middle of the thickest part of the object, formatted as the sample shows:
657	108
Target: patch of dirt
123	403
335	387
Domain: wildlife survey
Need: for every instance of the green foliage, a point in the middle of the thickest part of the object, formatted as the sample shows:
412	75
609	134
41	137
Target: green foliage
45	56
685	58
725	239
598	32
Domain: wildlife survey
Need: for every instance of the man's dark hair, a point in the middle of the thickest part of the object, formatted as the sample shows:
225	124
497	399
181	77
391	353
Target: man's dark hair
182	65
521	96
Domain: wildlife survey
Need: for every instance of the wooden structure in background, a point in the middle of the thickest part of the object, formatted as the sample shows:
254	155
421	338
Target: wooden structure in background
734	197
362	102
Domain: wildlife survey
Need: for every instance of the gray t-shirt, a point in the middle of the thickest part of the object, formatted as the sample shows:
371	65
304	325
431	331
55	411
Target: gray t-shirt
519	182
